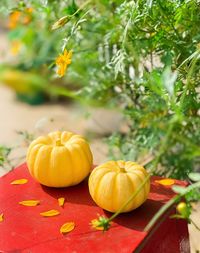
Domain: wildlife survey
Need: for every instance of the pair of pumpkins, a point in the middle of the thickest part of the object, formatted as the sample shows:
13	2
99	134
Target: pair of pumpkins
63	159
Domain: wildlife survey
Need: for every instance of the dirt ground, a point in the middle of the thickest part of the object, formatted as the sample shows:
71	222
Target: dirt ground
18	116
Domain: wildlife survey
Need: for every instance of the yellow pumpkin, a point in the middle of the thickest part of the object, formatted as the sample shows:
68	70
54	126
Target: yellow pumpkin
112	184
59	159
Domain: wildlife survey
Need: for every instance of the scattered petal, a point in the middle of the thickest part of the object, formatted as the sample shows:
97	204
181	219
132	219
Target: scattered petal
30	202
61	201
50	213
67	227
1	217
165	181
19	181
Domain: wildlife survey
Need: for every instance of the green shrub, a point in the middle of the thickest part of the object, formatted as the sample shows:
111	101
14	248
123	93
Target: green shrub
140	56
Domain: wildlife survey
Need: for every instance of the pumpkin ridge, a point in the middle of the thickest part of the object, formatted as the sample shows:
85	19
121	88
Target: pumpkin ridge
76	137
34	159
55	163
81	154
82	158
88	152
141	181
130	164
135	166
39	155
67	136
115	188
145	190
98	185
72	165
85	153
133	189
53	136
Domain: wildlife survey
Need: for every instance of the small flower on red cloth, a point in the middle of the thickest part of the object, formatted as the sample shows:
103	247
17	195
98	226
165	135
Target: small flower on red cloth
102	223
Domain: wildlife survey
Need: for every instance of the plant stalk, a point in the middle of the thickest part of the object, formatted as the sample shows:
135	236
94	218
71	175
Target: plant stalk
169	204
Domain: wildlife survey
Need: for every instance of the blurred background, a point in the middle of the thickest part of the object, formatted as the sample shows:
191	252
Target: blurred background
110	70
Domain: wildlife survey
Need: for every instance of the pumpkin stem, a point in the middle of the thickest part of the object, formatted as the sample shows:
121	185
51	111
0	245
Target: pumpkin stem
58	142
122	170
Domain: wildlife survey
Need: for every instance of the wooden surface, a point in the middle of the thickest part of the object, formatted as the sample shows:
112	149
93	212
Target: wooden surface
24	230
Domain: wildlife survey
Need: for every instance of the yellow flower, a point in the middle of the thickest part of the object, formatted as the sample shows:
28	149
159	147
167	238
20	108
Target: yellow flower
27	16
96	224
63	61
14	19
18	17
15	47
102	223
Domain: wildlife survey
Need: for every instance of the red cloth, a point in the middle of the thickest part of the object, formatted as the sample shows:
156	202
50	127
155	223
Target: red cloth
25	230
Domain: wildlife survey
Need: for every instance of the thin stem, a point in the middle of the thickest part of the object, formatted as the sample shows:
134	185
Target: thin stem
162	210
131	198
168	20
169	204
81	7
191	70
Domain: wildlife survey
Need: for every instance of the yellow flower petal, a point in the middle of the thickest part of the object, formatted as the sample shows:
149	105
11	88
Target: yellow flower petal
30	202
62	61
1	217
61	201
50	213
96	224
15	47
165	181
19	181
67	227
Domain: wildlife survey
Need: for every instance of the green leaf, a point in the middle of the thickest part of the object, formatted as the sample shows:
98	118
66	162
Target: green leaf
178	189
194	176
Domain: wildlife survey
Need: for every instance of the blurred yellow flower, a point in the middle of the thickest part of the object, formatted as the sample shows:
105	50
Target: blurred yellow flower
14	19
28	16
15	47
63	61
18	17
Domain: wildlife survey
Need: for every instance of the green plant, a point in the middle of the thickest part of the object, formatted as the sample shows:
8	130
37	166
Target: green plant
7	158
145	65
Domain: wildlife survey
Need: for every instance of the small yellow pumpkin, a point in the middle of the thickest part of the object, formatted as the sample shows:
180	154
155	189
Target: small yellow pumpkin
59	159
112	184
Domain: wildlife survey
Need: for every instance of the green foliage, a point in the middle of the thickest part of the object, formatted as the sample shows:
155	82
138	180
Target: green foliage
140	56
4	152
7	160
